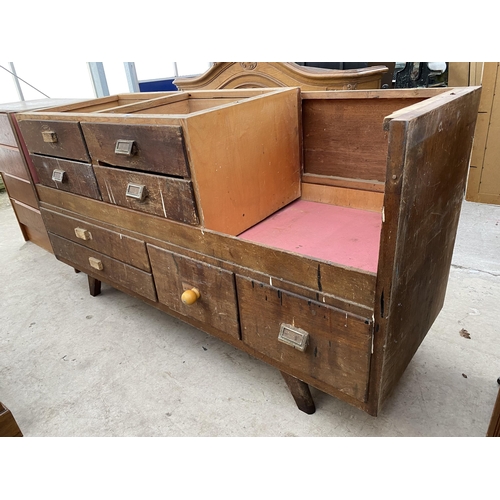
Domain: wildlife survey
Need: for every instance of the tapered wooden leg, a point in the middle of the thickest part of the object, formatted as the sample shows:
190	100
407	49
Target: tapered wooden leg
301	393
76	270
94	286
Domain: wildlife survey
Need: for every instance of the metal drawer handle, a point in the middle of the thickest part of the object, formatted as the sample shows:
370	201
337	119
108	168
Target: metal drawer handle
125	147
189	297
136	191
294	337
49	136
83	234
58	175
96	263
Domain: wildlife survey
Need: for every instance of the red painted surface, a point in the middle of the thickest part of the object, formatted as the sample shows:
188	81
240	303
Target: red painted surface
345	236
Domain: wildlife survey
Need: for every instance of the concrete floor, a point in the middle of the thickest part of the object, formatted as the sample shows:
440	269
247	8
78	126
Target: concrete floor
74	365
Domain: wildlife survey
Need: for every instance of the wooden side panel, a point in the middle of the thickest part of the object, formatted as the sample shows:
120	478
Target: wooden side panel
174	274
119	246
11	162
21	190
157	148
494	426
339	347
6	134
28	216
429	153
39	238
165	196
245	160
79	257
67	143
79	177
346	138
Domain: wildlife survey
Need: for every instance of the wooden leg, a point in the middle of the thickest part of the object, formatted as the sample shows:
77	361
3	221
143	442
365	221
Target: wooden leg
76	270
301	393
8	424
94	286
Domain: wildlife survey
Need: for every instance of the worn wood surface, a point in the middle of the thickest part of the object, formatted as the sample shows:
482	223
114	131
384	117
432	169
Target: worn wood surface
165	196
339	348
160	149
343	197
421	218
113	243
330	180
345	137
174	273
79	177
69	145
494	425
28	216
78	256
344	284
11	162
233	75
20	190
8	424
7	137
231	151
300	393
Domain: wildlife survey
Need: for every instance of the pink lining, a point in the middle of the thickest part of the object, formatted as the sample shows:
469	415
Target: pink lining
345	236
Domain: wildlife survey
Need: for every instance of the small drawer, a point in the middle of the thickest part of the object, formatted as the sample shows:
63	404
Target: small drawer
6	134
20	190
152	148
154	194
54	138
116	245
66	175
12	162
195	289
103	267
319	341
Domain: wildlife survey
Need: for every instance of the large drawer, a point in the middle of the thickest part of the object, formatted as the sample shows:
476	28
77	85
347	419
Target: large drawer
63	139
154	194
11	162
339	344
66	175
216	305
103	267
20	190
116	245
153	148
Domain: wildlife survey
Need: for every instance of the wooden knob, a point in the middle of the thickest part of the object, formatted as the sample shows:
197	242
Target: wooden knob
189	297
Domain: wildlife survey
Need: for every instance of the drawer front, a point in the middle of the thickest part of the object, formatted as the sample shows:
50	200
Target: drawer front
163	196
103	267
153	148
116	245
28	216
6	134
338	345
216	305
66	175
20	190
54	138
11	162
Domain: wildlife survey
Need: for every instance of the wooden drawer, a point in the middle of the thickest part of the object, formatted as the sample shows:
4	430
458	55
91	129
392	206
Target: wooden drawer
153	148
76	177
28	216
11	162
116	245
103	267
339	344
163	196
216	304
54	138
20	190
6	134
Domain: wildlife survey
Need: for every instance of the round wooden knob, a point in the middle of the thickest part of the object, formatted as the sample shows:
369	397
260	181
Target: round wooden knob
190	296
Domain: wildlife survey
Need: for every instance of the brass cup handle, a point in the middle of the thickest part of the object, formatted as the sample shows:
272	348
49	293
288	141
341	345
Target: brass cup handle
189	297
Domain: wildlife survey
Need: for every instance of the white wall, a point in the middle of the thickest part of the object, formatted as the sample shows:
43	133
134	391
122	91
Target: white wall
71	79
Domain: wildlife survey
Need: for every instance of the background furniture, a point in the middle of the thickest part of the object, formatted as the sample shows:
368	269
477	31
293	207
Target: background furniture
18	173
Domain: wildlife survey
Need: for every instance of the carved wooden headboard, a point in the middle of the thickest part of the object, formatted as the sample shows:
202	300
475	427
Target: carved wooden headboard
237	75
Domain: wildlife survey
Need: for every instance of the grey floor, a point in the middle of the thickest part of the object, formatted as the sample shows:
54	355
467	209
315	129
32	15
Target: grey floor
74	365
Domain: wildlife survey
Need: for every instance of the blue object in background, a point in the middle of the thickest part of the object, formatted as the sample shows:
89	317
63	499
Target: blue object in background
158	85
